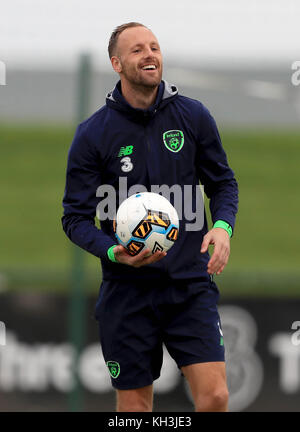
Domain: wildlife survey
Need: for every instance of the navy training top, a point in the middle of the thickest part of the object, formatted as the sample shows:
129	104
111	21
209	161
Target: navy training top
121	141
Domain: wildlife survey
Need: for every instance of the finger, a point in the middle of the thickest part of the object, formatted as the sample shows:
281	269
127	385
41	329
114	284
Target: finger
143	259
212	269
205	243
120	252
220	270
157	256
140	257
119	249
143	254
215	265
215	259
222	252
221	261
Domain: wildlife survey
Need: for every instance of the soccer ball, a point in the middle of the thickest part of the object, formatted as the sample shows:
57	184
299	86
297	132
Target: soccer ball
146	220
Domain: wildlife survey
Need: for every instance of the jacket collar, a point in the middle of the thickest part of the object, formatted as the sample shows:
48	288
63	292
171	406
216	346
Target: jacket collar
165	94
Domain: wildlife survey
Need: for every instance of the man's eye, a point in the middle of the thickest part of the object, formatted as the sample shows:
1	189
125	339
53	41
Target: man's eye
137	50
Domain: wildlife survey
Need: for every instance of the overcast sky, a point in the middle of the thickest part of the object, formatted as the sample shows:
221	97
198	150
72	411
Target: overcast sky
219	32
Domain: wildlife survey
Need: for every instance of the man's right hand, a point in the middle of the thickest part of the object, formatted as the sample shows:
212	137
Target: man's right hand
141	259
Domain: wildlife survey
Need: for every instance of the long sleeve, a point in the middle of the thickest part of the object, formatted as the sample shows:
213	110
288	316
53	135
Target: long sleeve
82	180
214	172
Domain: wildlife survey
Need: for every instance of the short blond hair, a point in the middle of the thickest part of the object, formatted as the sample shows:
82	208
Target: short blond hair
116	33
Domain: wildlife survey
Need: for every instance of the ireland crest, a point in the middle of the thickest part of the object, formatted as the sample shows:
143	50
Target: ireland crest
114	368
173	140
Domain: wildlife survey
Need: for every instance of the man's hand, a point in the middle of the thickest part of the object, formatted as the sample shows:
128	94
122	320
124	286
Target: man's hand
221	241
141	259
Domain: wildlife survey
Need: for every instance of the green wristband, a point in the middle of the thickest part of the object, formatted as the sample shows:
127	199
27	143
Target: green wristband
110	253
224	225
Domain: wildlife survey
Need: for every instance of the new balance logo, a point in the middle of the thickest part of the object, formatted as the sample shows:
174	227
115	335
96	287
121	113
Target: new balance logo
125	151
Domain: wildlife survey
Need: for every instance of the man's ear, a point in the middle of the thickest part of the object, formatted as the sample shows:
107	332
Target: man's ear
116	64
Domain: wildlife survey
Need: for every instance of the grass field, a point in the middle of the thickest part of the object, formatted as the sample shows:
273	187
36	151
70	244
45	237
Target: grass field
265	248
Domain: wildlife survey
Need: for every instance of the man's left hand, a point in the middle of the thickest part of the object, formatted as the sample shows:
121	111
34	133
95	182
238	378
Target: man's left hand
221	241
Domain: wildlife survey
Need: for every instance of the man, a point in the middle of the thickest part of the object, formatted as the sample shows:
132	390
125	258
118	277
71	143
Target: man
146	301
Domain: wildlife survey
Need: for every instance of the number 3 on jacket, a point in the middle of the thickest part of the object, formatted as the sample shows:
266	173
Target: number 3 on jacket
127	164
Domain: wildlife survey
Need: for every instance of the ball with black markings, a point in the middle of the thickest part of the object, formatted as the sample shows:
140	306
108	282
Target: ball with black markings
146	220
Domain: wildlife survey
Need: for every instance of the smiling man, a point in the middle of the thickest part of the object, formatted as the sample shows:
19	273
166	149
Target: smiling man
147	300
135	55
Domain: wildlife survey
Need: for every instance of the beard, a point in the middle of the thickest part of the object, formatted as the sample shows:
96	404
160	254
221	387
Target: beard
138	79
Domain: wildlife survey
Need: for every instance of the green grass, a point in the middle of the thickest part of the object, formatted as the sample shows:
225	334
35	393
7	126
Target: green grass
266	165
33	163
36	253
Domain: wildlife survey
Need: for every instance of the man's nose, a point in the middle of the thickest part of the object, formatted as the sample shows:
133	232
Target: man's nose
148	52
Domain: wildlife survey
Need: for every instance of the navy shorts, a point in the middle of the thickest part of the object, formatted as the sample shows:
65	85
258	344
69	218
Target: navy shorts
137	317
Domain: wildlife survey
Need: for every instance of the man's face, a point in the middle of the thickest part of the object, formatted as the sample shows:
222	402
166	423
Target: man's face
138	58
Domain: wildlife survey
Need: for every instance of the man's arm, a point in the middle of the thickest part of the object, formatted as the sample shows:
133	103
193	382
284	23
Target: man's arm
82	180
80	202
222	189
